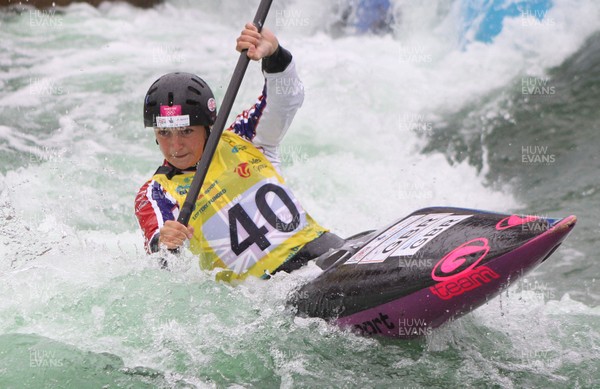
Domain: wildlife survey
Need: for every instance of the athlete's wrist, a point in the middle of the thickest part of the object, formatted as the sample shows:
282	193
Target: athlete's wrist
278	61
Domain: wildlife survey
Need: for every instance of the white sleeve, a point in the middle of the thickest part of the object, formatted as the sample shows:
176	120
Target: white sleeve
284	94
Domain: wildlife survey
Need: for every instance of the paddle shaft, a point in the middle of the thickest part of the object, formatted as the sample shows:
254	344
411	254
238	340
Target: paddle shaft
215	134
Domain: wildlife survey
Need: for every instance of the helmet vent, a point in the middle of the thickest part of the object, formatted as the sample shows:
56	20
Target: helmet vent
196	91
192	102
199	83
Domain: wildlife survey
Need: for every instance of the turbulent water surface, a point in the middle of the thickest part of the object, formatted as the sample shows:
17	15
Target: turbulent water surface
420	115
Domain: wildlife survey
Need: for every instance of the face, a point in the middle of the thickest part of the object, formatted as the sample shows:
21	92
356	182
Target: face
181	147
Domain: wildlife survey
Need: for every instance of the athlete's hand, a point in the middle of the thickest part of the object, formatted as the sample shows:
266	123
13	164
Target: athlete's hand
173	234
259	45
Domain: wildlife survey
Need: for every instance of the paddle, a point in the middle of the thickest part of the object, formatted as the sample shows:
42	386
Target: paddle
215	134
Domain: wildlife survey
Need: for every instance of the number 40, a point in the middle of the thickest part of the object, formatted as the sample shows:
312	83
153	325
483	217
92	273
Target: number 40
258	235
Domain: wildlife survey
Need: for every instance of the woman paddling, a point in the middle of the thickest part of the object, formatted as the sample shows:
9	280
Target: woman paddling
246	220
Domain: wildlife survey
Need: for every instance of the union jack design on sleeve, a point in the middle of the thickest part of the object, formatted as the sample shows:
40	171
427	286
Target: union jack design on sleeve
153	207
246	122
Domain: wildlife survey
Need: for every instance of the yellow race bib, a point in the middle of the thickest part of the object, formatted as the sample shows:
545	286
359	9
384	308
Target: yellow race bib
246	220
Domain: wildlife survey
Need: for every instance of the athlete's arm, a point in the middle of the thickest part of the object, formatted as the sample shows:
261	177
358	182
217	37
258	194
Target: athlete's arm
267	121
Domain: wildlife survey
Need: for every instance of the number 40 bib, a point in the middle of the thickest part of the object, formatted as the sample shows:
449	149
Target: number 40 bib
246	220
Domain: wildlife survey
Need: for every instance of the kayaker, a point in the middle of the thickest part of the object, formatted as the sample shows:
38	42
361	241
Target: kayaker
246	220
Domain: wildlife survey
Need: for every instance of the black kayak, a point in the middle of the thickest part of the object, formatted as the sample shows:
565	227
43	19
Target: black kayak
434	265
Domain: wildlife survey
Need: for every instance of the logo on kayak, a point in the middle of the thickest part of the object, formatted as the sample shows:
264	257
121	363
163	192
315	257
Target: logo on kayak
458	270
377	325
465	282
513	221
243	170
460	260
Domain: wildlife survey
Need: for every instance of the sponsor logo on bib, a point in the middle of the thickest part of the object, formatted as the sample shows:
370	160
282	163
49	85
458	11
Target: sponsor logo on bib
243	170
